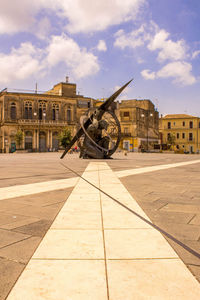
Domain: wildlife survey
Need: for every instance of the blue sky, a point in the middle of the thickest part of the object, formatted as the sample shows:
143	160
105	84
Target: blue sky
101	45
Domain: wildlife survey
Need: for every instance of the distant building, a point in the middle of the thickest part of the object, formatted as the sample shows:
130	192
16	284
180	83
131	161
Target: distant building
41	117
182	130
139	122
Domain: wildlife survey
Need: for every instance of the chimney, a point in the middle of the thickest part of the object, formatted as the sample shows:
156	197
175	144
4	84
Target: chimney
67	79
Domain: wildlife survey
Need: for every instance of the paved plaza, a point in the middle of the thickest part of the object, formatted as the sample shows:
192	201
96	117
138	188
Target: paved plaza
61	238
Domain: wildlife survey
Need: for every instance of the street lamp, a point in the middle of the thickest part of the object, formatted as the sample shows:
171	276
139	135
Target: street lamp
43	116
35	114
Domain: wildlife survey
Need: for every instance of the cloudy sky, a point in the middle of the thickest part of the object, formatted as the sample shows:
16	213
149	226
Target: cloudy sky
101	45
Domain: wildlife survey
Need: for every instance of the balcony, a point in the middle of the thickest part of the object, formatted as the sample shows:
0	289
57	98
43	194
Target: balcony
44	122
123	134
180	128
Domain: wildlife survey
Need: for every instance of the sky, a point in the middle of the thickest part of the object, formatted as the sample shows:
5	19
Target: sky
101	45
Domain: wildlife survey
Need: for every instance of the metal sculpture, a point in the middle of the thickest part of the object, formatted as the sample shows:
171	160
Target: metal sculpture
100	132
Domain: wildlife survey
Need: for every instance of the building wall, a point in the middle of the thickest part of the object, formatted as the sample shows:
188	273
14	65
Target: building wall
139	123
185	129
41	117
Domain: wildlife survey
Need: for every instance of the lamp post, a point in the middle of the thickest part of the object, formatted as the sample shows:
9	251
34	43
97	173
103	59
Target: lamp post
43	116
146	115
37	146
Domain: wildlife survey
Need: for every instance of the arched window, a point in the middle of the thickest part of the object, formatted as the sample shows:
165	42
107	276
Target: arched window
28	110
69	114
13	111
55	112
42	110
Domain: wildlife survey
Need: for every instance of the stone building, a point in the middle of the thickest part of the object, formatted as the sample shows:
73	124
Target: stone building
140	125
181	132
41	117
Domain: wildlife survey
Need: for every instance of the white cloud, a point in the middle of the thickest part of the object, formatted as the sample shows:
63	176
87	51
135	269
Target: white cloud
195	54
147	74
168	49
80	62
91	16
28	60
43	28
19	64
179	70
101	46
18	16
80	16
150	36
135	38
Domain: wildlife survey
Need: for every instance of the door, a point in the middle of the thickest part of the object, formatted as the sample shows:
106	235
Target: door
42	142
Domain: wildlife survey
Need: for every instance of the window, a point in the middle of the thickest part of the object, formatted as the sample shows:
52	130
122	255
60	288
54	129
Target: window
169	125
126	113
199	124
28	110
183	135
126	130
168	136
190	136
69	114
183	124
191	124
174	123
42	110
55	112
177	135
13	111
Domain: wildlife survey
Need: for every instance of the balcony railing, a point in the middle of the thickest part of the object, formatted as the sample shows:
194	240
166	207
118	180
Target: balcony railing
44	122
125	134
179	128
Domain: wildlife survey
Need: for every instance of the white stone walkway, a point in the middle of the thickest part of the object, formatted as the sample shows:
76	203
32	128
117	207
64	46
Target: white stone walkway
96	250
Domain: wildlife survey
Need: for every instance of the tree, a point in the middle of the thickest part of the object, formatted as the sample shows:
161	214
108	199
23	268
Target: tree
171	140
19	136
65	137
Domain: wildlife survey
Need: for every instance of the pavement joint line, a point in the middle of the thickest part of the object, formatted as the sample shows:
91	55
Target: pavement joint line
16	241
191	219
145	219
34	274
159	208
109	259
14	260
103	234
59	184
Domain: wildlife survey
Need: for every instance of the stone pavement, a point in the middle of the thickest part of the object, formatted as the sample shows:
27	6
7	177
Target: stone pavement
21	232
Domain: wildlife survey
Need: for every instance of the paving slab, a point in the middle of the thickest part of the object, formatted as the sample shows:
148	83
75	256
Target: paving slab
10	237
150	279
9	272
171	200
61	279
130	261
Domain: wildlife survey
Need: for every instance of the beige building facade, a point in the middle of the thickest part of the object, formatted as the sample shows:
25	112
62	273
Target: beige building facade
182	130
41	117
140	125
